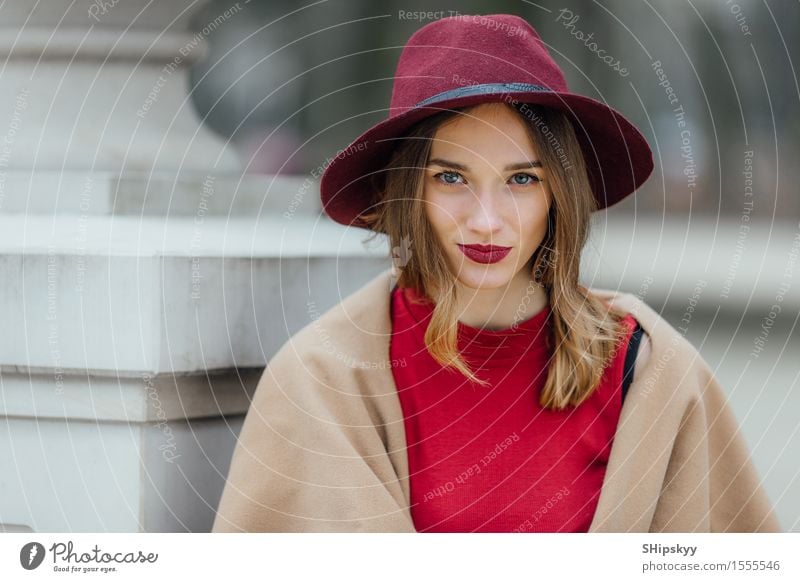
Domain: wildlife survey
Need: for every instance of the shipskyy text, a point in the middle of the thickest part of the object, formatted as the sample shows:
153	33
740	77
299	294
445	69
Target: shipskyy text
664	550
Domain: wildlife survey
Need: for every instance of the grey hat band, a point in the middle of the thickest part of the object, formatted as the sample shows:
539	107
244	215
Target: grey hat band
483	88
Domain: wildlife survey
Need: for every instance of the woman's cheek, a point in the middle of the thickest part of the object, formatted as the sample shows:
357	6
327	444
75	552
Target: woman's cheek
439	211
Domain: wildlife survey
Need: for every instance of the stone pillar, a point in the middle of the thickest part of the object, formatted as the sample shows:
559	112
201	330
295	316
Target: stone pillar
146	280
103	86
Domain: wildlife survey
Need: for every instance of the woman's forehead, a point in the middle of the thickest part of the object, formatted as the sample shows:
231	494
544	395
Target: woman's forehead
475	145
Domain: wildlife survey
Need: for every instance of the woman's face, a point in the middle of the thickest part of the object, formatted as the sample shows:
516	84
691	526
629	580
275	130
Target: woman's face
484	185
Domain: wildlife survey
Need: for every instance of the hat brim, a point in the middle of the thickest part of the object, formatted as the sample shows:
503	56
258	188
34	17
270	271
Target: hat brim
618	157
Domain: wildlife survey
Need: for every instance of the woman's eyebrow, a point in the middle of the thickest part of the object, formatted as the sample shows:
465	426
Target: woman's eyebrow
508	168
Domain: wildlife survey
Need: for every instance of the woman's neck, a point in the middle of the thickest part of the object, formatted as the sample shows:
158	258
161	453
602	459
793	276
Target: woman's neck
501	308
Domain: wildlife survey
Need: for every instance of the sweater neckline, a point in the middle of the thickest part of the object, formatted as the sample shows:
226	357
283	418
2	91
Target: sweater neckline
484	346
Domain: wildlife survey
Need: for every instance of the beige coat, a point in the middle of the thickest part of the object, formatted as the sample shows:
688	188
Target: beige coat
322	447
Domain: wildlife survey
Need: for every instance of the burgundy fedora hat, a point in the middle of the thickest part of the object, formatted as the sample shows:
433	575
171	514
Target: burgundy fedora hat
470	59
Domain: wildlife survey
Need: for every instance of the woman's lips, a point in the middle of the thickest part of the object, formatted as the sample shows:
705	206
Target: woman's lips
485	253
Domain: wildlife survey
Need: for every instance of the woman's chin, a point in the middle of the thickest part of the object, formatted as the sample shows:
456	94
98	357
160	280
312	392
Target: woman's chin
489	276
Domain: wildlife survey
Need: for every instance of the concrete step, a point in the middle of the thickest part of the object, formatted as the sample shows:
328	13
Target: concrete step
123	295
158	194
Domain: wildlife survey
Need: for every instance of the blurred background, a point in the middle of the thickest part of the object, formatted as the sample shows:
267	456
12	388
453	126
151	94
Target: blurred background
162	236
323	74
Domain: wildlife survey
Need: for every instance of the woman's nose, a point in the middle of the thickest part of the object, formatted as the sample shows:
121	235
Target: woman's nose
484	212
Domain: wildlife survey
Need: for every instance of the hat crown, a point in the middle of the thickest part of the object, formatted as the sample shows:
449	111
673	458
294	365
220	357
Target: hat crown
466	50
466	60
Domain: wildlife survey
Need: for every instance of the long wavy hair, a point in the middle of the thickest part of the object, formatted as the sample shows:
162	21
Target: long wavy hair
585	331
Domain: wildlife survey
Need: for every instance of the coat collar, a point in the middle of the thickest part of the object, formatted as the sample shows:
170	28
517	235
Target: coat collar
663	472
367	314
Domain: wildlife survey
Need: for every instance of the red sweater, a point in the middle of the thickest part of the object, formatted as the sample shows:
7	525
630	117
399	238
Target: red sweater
491	458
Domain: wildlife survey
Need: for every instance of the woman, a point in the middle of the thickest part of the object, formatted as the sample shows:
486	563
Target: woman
478	386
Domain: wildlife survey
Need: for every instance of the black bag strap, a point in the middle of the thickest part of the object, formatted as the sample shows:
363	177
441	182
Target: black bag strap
630	359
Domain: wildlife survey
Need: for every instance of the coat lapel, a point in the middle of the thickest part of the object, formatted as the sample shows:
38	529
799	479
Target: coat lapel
658	474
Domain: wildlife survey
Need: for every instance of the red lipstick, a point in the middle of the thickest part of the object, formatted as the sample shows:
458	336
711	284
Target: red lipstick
485	253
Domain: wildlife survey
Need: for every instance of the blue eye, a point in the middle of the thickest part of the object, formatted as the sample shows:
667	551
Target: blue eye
445	181
532	180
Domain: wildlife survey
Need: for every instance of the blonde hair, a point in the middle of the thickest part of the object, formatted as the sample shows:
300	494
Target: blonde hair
585	331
